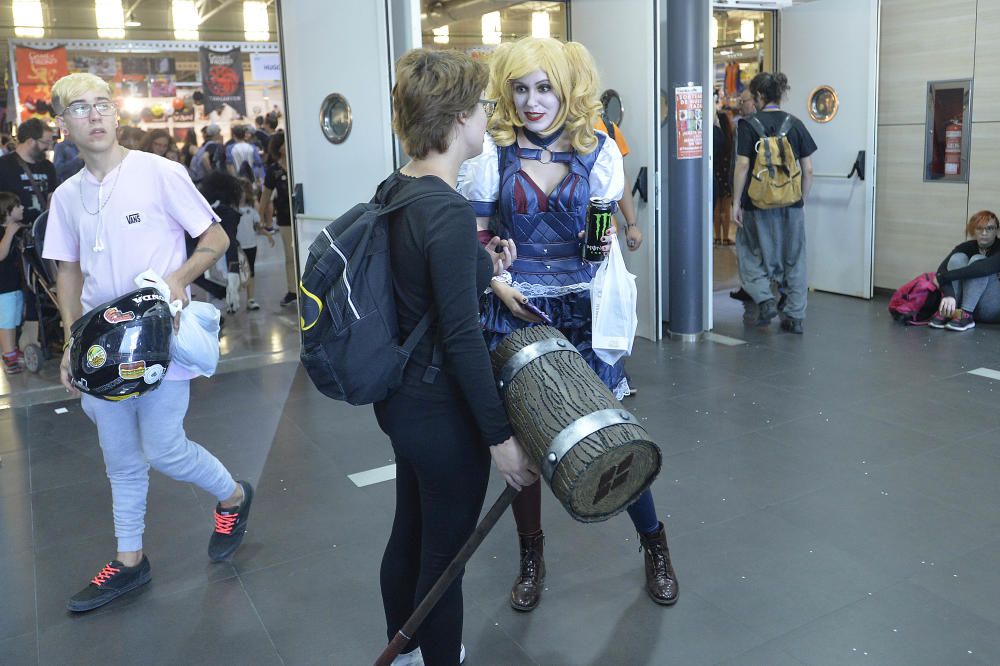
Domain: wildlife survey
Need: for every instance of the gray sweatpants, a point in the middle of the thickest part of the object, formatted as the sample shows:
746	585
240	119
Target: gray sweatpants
145	432
980	296
771	245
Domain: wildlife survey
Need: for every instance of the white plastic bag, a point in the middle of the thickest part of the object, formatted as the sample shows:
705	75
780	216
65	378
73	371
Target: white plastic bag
195	345
612	307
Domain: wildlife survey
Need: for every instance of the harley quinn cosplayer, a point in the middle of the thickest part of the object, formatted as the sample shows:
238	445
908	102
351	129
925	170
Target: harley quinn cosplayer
541	163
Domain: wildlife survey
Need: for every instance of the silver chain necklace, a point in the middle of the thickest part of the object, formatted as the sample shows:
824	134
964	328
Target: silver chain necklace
100	205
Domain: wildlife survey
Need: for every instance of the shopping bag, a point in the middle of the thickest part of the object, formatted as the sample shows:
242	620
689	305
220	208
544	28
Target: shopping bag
612	307
195	344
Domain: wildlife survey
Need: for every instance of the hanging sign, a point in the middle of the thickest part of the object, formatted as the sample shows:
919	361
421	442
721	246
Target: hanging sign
222	80
37	71
265	66
688	105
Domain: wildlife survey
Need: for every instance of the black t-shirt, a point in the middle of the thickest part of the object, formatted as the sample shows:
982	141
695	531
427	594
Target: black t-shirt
14	180
988	266
746	138
10	267
438	264
276	180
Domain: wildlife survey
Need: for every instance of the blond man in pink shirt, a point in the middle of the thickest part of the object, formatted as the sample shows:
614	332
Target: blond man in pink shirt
126	212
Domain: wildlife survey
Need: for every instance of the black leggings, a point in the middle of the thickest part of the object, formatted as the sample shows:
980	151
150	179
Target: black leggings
442	468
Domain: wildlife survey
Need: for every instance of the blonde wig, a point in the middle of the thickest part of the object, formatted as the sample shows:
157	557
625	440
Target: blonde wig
574	80
74	86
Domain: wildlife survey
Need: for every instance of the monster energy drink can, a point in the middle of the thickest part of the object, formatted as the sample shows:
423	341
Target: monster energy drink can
599	225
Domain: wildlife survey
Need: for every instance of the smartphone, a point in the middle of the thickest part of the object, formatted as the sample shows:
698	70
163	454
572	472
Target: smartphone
534	310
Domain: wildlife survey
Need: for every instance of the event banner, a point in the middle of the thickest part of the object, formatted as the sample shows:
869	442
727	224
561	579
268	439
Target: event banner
222	80
37	71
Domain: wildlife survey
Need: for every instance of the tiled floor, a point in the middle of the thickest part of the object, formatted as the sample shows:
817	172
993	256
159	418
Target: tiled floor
830	499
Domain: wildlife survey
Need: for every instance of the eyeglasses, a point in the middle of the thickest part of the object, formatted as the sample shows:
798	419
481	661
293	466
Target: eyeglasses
489	106
82	109
988	229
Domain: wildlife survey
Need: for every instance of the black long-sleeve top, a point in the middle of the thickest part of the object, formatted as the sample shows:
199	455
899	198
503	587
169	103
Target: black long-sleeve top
438	263
988	266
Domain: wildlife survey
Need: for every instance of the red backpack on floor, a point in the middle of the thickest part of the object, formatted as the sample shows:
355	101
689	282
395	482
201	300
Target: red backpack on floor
916	301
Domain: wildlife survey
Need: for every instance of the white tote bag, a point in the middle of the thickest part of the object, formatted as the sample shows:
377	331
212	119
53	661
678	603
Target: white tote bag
195	345
612	307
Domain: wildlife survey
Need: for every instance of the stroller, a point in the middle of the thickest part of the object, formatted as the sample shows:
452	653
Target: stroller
40	282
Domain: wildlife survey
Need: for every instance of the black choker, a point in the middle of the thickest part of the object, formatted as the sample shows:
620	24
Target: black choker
542	141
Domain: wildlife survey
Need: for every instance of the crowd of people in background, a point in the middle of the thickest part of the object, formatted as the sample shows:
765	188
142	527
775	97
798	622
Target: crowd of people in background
244	177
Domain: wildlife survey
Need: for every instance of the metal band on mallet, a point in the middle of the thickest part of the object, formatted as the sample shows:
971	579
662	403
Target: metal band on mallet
528	354
571	435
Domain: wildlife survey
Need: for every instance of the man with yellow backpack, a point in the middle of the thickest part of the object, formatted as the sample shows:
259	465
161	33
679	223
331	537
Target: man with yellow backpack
774	173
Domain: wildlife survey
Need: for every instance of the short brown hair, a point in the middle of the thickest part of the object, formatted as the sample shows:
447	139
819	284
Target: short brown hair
982	217
8	202
432	89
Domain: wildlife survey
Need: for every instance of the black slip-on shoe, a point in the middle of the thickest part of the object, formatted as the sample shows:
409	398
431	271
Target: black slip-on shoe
114	580
230	526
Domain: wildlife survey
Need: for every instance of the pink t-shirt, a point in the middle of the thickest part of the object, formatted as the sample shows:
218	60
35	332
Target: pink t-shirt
146	205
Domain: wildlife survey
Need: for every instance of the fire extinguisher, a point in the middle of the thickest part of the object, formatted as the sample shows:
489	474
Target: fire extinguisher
953	148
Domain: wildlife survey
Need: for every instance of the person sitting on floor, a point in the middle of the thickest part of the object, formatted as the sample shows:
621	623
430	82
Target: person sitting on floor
968	276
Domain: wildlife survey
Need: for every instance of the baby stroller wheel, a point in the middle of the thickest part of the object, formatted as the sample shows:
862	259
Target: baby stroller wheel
33	357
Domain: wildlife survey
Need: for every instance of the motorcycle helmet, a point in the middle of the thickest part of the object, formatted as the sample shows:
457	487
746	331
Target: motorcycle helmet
121	349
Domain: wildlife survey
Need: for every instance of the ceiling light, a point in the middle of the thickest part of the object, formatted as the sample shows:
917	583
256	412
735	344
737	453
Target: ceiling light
748	31
715	32
110	19
540	24
28	18
491	28
186	19
256	26
441	35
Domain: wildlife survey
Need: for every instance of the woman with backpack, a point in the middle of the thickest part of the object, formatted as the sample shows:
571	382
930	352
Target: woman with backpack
968	278
445	426
540	165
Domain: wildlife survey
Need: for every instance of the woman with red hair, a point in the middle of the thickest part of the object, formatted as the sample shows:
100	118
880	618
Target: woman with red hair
968	277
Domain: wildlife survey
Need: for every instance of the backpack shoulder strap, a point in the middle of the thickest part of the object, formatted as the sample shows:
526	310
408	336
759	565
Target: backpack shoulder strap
404	201
757	126
786	126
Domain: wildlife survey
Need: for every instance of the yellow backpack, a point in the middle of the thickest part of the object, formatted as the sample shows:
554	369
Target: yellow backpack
776	177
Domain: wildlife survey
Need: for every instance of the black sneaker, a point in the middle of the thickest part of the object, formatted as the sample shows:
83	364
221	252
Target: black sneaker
230	526
114	580
792	325
766	311
740	295
288	299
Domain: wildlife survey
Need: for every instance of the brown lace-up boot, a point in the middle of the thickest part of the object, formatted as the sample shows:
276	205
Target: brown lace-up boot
527	589
661	581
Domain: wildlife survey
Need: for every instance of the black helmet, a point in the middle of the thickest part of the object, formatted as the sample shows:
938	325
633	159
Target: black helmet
122	349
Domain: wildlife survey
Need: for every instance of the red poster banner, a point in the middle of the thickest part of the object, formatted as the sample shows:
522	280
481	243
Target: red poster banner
37	70
688	102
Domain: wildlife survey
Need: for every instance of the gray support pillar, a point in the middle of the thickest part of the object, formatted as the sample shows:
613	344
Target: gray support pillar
687	66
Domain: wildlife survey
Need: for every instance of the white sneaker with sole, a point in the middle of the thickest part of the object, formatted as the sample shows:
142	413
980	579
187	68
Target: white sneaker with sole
415	658
253	305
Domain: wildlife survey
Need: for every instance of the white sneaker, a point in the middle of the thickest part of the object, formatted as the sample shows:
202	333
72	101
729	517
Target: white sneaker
409	659
252	305
415	658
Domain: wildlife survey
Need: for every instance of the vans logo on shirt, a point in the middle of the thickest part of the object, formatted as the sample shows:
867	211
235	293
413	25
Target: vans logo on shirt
133	218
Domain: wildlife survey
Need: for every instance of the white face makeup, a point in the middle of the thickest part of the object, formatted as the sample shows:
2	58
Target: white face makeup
94	132
535	100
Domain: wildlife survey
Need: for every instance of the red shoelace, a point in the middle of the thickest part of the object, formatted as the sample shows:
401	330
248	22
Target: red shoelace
106	573
224	522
